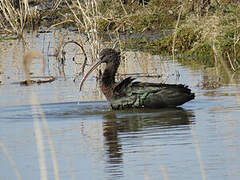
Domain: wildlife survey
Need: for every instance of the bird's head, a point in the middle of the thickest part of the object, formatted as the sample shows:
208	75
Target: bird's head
108	56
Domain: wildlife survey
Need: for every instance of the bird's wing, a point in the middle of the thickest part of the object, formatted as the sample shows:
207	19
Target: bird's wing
139	94
121	87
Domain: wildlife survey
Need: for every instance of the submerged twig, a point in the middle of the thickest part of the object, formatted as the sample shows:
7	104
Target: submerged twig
81	47
46	79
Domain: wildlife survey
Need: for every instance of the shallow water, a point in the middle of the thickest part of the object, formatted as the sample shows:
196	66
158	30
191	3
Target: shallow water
51	128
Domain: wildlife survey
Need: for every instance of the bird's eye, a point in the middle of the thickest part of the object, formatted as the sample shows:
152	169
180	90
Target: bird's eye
102	56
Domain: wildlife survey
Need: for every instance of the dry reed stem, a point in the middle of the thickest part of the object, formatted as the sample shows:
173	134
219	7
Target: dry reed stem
123	8
57	3
50	142
175	32
73	12
198	151
164	172
37	111
212	31
236	41
39	137
230	61
27	60
10	159
175	35
57	24
226	69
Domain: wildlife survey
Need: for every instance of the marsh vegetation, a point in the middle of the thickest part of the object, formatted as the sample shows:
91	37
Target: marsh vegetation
203	31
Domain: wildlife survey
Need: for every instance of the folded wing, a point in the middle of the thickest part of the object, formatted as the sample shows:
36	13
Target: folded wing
152	95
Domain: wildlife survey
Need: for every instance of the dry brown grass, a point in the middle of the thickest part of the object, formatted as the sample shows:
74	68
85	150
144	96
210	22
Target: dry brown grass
14	20
87	22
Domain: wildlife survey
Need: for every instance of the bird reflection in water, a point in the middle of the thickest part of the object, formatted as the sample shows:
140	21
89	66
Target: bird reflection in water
130	121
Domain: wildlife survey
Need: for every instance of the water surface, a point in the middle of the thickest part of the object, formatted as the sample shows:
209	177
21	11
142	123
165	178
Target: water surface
51	130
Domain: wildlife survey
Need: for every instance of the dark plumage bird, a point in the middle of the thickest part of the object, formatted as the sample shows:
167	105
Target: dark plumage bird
133	94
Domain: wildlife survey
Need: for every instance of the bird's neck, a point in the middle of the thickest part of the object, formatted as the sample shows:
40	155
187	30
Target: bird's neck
108	79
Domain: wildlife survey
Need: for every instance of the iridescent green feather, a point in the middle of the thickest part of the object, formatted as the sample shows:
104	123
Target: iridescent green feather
139	95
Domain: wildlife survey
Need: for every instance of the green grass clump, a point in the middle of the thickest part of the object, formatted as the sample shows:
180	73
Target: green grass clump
204	39
134	17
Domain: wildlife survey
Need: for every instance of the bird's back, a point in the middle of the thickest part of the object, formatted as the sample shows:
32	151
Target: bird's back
130	94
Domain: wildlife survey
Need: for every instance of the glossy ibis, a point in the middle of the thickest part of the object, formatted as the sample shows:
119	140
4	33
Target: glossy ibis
133	94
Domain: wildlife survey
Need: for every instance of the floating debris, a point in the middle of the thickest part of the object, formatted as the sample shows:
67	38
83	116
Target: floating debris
39	80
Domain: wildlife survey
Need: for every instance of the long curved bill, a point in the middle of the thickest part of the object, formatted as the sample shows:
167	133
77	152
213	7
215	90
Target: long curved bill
89	72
